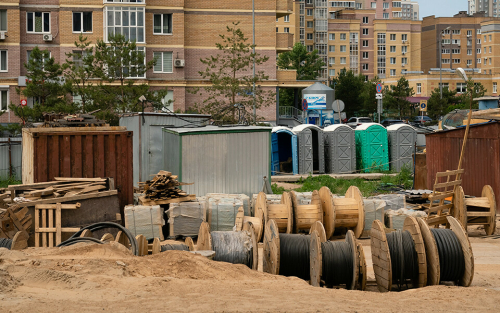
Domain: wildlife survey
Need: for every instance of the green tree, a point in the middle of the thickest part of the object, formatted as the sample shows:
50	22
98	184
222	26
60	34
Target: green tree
437	107
396	97
478	91
348	88
369	103
45	86
307	64
231	80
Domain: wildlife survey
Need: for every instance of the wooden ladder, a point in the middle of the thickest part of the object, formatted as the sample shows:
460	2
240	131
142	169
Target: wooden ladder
50	214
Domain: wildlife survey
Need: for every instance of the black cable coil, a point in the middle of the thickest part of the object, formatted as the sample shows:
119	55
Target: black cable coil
169	247
451	256
233	247
404	258
294	256
337	263
5	243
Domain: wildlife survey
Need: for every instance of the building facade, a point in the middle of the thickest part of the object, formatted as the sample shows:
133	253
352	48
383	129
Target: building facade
177	32
490	7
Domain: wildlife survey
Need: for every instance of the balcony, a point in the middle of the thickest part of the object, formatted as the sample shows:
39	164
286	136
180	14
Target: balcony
284	7
284	42
285	76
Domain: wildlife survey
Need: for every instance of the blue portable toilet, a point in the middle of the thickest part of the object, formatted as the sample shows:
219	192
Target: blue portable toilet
284	147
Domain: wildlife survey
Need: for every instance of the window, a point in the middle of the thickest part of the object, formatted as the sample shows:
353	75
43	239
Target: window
309	12
495	87
393	72
365	43
469	62
28	55
478	61
331	48
286	29
456	32
446	32
396	4
309	48
332	72
82	22
478	50
365	31
404	49
138	1
404	61
365	55
309	24
469	51
489	36
385	16
343	60
385	5
445	85
392	48
309	36
128	21
331	60
490	49
78	58
419	88
469	42
445	51
163	62
455	51
461	87
365	19
331	36
485	38
276	29
469	33
365	67
162	23
404	37
38	22
478	41
445	61
3	20
489	61
393	60
286	18
484	50
309	1
374	5
478	31
4	100
343	49
3	61
393	37
456	61
343	36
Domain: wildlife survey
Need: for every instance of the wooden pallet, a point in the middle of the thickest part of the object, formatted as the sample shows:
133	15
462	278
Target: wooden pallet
47	215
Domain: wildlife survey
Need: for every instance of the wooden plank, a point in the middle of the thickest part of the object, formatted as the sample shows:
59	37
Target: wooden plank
37	228
68	199
63	206
433	209
478	214
449	173
145	201
44	225
58	223
51	225
32	186
46	230
440	196
448	184
478	202
90	189
78	179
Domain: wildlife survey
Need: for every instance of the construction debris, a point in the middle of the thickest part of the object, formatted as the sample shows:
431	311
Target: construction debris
75	120
163	189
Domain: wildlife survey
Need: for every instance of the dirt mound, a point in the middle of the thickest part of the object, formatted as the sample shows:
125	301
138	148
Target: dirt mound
7	282
114	251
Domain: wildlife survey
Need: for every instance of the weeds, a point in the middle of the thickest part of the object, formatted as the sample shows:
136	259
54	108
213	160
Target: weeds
4	183
277	190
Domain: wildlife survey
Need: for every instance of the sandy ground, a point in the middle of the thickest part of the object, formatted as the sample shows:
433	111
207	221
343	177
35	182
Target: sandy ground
90	278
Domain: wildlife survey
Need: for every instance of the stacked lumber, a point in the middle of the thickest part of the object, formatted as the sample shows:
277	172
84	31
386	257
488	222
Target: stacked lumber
490	114
164	189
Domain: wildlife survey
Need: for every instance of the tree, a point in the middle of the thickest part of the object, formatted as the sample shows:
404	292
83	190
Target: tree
369	103
231	80
396	97
437	107
348	87
478	91
44	85
307	64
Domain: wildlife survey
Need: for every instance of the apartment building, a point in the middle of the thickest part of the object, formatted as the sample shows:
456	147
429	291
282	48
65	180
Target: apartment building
490	7
177	32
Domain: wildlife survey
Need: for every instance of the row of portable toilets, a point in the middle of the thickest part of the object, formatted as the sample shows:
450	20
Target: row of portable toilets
340	149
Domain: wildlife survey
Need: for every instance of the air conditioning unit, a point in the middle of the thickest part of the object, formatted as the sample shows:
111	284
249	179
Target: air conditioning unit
179	63
404	53
403	65
2	35
404	42
47	37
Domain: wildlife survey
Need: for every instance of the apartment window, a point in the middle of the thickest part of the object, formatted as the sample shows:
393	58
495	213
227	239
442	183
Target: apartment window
365	55
163	62
478	41
331	48
3	20
455	51
404	37
456	32
4	100
309	24
404	61
82	22
485	38
286	29
445	61
343	36
331	60
469	51
365	43
38	22
478	31
374	5
343	60
332	72
489	37
396	4
309	36
309	48
343	49
445	51
365	19
393	72
495	87
3	61
276	29
469	42
456	61
309	12
484	50
385	16
309	1
385	5
461	87
331	36
446	32
419	88
393	60
162	23
404	49
359	6
393	37
478	50
392	48
286	18
365	31
489	61
365	66
128	21
490	49
478	61
141	50
445	85
469	62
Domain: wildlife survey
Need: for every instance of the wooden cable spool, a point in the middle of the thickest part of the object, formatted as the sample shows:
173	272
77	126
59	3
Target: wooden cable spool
305	215
155	247
256	223
350	211
327	202
281	213
19	241
481	211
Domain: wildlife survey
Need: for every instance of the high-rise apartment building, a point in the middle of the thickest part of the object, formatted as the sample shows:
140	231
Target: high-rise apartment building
489	7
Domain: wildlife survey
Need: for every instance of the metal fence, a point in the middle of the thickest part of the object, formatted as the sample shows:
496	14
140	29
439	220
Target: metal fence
11	158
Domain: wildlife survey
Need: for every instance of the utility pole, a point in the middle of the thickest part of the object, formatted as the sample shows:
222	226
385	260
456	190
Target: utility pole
253	89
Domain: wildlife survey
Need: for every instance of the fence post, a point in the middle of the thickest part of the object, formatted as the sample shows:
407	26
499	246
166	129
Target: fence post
10	158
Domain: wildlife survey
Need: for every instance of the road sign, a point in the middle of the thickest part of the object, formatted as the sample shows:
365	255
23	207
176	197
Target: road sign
379	88
338	106
423	105
24	102
304	104
378	96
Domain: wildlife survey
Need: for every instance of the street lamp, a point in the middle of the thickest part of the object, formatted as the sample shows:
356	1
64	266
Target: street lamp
441	65
460	71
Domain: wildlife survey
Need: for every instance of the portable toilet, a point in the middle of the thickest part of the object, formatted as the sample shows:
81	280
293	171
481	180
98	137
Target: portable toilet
340	149
284	148
311	148
402	139
372	152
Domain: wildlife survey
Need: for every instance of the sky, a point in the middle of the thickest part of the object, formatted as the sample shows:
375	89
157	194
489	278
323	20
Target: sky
441	8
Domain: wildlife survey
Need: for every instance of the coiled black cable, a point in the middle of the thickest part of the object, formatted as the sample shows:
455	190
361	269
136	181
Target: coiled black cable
5	243
451	256
404	259
233	247
294	256
169	247
337	263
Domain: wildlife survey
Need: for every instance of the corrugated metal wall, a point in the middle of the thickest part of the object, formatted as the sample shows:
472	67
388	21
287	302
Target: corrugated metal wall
225	162
481	158
85	154
171	152
16	158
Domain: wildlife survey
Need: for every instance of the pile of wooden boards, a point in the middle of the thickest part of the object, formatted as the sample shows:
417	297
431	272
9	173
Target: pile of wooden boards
163	189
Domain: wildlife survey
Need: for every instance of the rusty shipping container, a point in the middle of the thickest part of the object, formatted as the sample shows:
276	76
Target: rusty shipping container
481	158
80	152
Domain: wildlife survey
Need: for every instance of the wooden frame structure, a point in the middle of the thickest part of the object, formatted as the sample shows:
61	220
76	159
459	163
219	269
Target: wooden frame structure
46	212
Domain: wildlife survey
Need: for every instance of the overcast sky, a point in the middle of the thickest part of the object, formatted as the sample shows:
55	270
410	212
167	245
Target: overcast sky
441	7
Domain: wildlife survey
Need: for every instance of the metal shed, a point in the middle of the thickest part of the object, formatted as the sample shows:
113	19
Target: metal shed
147	138
311	147
219	159
372	152
340	149
481	157
284	147
402	139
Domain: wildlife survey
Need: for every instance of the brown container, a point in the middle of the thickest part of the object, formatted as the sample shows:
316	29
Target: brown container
80	152
481	159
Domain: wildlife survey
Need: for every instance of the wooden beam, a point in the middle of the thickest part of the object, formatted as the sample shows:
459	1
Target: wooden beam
67	199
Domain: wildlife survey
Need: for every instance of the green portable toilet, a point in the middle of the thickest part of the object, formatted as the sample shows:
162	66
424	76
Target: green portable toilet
372	152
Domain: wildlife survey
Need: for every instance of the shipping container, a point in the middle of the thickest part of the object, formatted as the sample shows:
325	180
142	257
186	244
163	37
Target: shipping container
147	138
340	149
219	159
79	152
